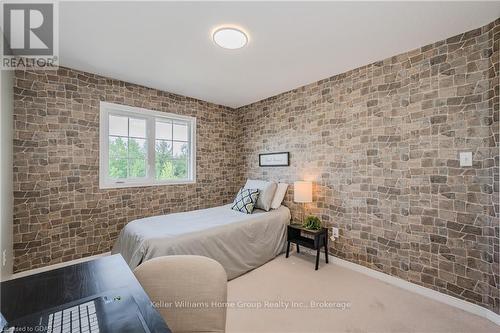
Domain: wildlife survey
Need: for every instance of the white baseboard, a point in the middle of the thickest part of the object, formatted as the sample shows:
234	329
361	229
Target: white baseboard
432	294
55	266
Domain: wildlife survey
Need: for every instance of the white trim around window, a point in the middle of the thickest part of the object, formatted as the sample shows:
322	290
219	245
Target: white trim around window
148	175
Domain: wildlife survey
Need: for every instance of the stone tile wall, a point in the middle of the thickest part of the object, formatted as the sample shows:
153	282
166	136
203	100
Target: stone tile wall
60	213
381	144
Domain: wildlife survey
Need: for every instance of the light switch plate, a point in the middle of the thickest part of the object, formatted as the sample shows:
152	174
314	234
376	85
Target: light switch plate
335	232
466	159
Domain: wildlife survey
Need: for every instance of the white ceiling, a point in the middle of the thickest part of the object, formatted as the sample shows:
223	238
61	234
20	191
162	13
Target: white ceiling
167	45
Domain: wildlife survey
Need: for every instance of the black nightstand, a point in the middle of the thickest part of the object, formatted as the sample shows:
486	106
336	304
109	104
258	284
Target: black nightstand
319	239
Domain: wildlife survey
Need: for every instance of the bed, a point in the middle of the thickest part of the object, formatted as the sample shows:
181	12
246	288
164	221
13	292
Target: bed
240	242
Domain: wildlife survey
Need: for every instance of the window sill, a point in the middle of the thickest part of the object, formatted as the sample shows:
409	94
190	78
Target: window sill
109	186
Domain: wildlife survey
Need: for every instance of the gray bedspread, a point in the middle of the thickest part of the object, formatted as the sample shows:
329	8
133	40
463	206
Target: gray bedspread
240	242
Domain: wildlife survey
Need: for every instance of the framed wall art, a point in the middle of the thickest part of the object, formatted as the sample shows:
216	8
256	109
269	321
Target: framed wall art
274	159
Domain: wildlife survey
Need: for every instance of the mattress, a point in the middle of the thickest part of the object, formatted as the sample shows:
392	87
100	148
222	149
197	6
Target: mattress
240	242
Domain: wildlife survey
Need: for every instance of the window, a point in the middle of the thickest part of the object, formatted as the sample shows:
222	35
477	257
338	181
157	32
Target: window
140	147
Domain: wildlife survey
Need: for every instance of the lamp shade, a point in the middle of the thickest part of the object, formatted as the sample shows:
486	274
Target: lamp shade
302	191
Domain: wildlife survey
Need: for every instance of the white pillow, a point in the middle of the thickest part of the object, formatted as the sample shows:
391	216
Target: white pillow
266	192
279	195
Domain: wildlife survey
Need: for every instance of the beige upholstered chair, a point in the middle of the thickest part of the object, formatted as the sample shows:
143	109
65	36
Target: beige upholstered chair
184	289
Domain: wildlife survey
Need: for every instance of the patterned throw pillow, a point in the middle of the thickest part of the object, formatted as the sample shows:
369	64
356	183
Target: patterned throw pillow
245	200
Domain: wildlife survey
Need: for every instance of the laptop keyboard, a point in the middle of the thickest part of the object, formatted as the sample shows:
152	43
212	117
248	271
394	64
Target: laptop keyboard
77	319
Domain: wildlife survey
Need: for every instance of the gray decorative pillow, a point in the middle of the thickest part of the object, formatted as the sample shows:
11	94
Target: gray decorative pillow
245	200
266	192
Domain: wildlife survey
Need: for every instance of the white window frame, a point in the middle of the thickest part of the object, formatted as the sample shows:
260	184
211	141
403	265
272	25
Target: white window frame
107	109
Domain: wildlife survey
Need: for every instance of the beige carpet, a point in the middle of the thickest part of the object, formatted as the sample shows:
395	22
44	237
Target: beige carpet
374	305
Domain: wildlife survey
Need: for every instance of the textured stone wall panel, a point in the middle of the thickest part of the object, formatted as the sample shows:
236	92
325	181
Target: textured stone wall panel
60	213
382	144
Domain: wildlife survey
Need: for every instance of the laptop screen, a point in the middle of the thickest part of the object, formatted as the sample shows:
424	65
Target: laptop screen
3	322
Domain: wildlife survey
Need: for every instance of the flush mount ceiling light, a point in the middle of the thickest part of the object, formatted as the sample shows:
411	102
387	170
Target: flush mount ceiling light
230	38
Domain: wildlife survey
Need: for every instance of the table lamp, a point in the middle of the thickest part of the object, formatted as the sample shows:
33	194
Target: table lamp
302	192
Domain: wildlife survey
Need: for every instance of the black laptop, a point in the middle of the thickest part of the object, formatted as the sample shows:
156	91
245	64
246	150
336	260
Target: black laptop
113	311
